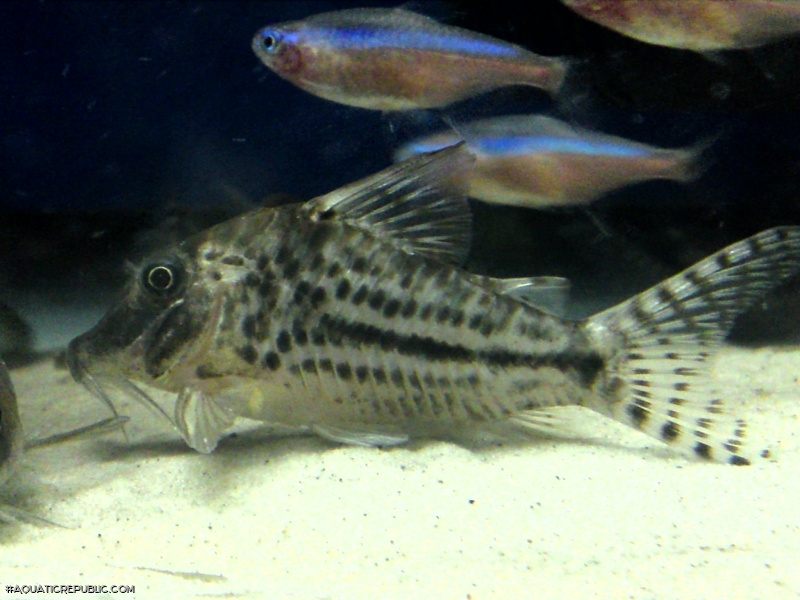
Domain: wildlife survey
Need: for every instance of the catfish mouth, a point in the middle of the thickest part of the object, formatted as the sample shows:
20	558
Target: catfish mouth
161	347
97	385
96	378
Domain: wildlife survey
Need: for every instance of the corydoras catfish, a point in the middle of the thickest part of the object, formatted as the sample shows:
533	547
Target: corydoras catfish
538	161
394	59
348	314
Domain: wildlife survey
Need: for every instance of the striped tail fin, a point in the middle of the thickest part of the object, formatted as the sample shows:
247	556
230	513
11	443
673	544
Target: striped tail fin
657	382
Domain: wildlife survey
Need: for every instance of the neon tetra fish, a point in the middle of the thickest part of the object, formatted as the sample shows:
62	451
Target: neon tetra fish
349	315
541	162
394	59
702	26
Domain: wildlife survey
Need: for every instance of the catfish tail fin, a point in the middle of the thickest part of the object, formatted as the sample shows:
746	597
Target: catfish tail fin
657	381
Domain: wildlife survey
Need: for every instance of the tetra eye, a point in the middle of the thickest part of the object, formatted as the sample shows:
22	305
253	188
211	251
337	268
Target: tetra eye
269	41
163	279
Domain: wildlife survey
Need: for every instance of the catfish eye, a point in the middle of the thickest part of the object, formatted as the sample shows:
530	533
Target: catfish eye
163	278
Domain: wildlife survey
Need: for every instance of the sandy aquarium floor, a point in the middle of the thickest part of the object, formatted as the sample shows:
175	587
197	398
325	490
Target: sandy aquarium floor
607	515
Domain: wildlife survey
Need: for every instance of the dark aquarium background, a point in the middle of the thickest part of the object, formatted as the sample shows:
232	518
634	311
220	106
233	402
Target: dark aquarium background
128	125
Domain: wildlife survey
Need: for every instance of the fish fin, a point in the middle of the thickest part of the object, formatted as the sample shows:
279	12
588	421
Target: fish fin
577	94
691	162
717	57
543	421
418	204
657	381
522	427
424	10
358	436
550	294
201	420
558	75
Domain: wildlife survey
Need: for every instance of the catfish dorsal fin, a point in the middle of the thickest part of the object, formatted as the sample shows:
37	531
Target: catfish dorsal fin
419	205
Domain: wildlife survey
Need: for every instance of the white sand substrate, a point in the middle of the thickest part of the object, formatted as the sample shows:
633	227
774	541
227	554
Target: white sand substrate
610	514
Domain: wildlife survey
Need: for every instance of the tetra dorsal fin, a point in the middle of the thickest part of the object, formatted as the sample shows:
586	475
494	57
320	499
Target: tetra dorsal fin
418	204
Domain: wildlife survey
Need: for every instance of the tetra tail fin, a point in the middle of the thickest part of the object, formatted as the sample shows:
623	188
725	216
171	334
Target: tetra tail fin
557	75
690	163
656	383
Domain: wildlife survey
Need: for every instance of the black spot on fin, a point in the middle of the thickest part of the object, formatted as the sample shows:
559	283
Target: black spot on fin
667	334
418	204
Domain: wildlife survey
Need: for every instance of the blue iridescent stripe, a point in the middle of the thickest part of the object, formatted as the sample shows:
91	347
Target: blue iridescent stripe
368	38
532	145
537	145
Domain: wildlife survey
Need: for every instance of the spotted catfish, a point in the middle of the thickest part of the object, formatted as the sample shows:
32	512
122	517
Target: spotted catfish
349	315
